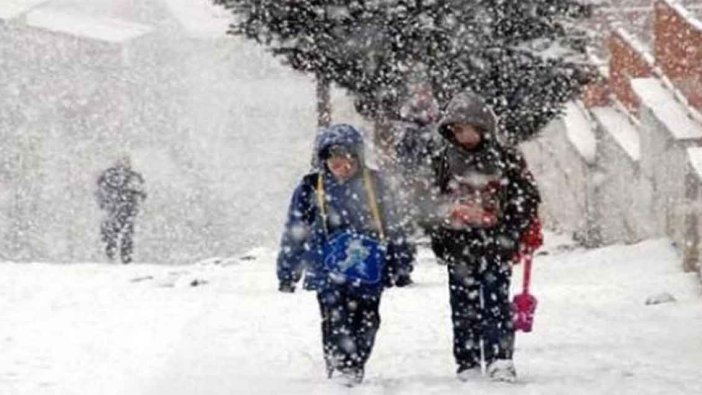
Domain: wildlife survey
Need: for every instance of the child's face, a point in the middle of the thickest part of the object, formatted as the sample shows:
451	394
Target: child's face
342	167
466	135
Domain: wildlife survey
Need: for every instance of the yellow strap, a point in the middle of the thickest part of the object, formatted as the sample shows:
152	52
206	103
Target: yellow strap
320	199
373	203
371	200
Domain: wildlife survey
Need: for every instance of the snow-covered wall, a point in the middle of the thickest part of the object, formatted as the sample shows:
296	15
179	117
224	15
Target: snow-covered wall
649	130
692	248
666	133
641	179
563	165
624	195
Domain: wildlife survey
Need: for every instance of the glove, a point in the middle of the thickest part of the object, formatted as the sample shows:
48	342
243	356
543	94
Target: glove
534	237
531	240
286	287
472	215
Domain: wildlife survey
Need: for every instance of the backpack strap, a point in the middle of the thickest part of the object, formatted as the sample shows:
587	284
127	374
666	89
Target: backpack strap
320	200
372	201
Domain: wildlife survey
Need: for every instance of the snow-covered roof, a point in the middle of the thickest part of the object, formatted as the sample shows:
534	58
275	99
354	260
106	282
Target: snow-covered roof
200	18
97	28
620	128
668	111
695	156
580	132
10	9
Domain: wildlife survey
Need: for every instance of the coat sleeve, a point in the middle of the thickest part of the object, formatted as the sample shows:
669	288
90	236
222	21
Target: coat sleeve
296	234
100	193
522	199
140	190
401	251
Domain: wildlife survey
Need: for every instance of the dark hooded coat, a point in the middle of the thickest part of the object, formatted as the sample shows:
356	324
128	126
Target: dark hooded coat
490	175
120	191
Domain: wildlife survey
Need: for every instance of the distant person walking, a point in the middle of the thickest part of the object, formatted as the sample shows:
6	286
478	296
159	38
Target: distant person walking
415	143
120	192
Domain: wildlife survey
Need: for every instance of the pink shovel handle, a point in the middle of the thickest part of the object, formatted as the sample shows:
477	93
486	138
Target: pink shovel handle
526	280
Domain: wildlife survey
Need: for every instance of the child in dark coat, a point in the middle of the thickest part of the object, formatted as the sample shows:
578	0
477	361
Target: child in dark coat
342	218
486	202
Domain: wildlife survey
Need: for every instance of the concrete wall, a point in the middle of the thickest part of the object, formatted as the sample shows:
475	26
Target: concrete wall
692	248
645	181
624	197
566	180
666	133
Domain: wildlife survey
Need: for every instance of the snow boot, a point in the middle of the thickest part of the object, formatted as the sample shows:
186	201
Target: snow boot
329	366
471	373
404	281
349	377
502	370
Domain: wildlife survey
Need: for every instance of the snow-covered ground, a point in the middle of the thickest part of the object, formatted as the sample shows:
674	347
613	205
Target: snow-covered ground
220	327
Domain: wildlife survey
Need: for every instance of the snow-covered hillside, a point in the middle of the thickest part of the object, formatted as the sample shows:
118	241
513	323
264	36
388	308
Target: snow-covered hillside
220	327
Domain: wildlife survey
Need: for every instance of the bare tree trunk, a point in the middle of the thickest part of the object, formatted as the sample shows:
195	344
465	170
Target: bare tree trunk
323	102
323	112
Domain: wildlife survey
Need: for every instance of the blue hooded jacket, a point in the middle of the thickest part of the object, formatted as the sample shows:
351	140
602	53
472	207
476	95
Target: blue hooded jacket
347	208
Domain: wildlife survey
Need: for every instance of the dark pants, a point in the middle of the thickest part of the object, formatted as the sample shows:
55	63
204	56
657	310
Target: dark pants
479	267
118	231
481	310
349	325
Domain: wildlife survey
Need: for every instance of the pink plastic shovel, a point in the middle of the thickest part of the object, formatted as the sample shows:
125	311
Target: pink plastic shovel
524	304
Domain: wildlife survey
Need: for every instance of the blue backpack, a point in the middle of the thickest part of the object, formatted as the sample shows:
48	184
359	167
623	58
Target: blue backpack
351	257
355	258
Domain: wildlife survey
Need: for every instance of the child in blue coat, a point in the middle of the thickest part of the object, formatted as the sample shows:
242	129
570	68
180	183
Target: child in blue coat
344	234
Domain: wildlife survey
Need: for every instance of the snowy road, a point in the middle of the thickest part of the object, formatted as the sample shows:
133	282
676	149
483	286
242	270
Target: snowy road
145	329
